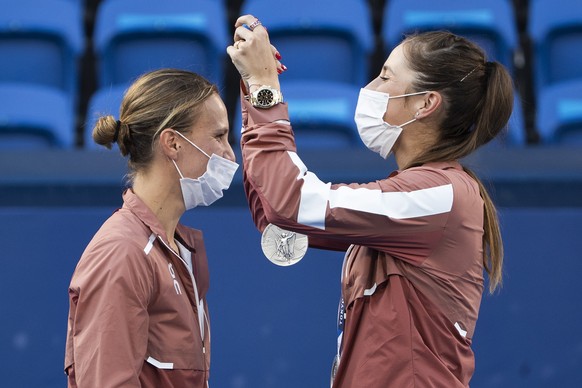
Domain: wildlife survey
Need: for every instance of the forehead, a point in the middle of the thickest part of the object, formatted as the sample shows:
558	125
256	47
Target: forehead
397	66
213	112
396	60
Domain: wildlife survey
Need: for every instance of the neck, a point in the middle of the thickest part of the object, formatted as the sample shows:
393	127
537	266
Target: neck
163	197
404	158
413	142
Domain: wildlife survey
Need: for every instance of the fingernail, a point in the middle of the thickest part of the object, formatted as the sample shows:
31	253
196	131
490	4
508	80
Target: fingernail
279	71
284	67
277	55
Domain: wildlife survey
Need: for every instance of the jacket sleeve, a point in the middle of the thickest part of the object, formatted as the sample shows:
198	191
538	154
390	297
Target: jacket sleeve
109	296
403	215
281	140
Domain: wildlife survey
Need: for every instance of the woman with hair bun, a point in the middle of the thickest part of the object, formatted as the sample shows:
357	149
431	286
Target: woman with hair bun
138	315
418	240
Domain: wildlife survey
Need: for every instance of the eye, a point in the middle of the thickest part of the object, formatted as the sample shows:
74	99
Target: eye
384	78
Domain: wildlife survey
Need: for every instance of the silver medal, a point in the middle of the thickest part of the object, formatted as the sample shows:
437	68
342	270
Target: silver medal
283	247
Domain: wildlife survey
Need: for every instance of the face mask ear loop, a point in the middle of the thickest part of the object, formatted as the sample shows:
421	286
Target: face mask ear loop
179	172
188	140
409	94
408	122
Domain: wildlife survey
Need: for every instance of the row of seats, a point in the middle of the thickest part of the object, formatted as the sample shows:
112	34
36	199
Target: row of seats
555	27
40	43
327	46
350	38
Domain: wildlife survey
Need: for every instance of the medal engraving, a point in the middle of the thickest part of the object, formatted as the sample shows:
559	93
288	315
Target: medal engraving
283	247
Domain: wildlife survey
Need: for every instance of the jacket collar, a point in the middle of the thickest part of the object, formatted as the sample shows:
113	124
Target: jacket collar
453	164
134	204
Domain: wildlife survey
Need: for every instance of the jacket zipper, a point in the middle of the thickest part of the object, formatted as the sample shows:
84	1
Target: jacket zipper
194	284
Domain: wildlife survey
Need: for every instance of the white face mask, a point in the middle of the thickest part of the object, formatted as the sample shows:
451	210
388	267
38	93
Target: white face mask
377	135
209	187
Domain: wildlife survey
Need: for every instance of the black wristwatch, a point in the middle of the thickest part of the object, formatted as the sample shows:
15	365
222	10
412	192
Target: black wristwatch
265	97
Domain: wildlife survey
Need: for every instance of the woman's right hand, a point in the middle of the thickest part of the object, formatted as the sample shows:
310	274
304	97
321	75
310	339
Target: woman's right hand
255	58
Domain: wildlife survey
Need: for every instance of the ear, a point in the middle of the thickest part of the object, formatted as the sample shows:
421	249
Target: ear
430	104
169	143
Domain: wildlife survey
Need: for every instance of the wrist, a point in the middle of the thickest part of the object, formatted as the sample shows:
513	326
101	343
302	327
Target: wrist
254	87
254	84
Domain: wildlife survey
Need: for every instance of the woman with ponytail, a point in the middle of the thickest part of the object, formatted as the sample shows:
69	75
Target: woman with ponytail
418	241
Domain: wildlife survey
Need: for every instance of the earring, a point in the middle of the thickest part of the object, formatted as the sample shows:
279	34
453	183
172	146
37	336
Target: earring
416	115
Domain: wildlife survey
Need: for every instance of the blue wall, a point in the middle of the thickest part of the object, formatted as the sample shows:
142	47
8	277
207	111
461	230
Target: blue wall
275	327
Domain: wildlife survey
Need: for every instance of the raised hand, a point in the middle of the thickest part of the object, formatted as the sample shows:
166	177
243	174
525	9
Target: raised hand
255	58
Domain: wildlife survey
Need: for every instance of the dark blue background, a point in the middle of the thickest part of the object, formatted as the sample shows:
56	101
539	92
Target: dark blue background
275	327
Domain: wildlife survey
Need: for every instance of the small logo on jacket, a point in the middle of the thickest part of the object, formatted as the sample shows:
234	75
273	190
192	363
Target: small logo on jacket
176	284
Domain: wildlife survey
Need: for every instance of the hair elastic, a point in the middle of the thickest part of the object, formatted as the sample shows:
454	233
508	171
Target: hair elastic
116	133
488	68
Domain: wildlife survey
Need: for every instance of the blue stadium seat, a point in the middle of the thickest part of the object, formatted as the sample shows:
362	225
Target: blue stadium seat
320	120
40	43
556	31
559	117
134	36
34	117
489	23
105	101
322	40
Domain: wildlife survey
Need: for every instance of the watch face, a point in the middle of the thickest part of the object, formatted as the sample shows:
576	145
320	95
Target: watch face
265	97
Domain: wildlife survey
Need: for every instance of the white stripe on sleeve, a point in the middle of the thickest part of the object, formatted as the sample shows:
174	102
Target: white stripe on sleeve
396	205
316	195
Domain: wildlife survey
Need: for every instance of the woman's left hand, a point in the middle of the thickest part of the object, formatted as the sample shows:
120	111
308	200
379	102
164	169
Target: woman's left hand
255	58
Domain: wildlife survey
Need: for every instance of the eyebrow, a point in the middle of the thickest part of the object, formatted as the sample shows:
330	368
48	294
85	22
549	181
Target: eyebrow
221	131
387	68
